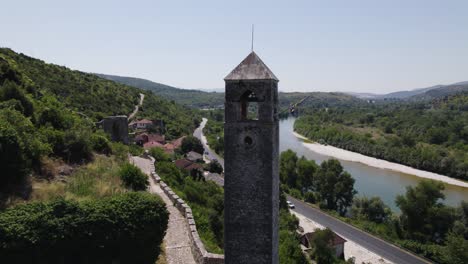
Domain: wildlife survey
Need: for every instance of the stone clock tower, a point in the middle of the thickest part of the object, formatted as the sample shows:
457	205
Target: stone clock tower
251	150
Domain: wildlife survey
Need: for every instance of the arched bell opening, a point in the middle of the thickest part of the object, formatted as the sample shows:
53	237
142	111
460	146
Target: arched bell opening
249	106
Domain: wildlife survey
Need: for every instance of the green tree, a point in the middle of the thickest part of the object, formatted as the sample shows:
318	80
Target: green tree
335	186
322	249
10	90
215	167
289	250
191	143
288	174
133	178
423	216
372	209
306	170
20	147
456	250
13	159
460	226
159	155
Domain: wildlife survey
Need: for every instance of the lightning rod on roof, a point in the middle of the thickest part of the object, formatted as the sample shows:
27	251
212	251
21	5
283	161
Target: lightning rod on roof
252	36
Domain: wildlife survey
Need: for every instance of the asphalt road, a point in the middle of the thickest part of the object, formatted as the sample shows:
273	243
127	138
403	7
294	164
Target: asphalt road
198	133
380	247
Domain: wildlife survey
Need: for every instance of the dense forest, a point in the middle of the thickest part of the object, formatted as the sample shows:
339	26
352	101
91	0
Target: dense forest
431	136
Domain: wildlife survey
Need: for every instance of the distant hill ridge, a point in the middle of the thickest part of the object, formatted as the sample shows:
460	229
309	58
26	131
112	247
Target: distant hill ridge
427	93
204	99
194	98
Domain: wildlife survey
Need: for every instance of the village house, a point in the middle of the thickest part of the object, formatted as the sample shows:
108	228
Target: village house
145	138
152	144
214	177
170	147
337	243
194	156
141	124
188	165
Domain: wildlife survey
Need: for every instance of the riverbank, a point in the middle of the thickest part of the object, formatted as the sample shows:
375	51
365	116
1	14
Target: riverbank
374	162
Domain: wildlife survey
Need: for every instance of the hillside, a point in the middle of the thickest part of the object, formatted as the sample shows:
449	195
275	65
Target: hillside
93	96
47	116
192	98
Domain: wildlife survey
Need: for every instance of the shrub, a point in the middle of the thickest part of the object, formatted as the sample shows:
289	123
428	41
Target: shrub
10	90
159	155
13	163
126	228
135	150
101	144
77	145
215	167
133	178
191	143
372	209
309	197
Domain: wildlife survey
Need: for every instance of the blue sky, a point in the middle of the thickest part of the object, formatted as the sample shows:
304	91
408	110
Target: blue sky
359	46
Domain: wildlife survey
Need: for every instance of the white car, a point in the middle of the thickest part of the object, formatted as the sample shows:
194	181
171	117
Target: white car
290	205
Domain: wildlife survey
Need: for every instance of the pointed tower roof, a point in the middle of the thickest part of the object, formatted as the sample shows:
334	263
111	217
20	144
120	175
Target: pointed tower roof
251	68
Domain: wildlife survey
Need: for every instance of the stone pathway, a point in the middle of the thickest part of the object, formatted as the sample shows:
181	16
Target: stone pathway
176	241
137	107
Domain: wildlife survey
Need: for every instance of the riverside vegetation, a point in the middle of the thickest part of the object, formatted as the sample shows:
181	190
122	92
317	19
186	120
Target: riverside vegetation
425	226
430	135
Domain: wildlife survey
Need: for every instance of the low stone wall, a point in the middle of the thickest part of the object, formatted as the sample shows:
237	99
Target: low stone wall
199	252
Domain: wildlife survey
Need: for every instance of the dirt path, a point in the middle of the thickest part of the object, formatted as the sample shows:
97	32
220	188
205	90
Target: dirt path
137	107
176	241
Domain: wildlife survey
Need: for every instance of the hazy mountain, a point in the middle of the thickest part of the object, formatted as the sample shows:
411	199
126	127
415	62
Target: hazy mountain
414	94
441	92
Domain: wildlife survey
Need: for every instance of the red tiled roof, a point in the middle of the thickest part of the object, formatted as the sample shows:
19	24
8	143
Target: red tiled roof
169	146
194	166
156	137
178	142
183	163
187	165
152	144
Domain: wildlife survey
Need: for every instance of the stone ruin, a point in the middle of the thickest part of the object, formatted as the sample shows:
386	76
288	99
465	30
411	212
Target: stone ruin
116	127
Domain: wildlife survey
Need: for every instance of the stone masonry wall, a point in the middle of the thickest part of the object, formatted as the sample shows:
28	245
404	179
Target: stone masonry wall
199	252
